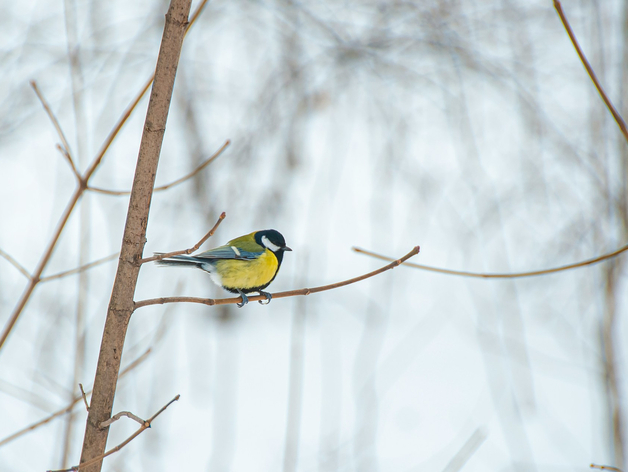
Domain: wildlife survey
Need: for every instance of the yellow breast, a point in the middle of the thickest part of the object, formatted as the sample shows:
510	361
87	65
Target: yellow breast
248	275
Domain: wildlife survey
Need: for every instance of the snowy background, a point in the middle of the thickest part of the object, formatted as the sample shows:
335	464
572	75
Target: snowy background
468	128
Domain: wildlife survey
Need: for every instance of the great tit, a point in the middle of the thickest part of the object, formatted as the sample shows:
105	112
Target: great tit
243	265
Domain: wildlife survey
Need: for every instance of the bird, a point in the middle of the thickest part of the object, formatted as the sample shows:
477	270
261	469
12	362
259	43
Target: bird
243	265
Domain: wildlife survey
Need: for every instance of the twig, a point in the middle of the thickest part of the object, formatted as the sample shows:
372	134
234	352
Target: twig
64	147
82	268
84	396
159	257
467	450
199	168
145	425
68	158
618	119
15	264
82	185
117	416
504	275
605	467
125	116
69	407
291	293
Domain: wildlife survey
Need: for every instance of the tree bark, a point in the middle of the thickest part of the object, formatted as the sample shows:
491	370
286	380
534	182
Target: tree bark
121	303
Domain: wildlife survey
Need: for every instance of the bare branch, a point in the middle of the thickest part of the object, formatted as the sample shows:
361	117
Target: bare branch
64	147
159	257
15	264
127	113
618	119
82	185
117	416
69	407
199	168
504	275
82	268
605	467
145	425
84	396
291	293
458	461
68	158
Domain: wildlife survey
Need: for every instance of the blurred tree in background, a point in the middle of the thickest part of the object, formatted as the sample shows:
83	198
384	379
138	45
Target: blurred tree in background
470	128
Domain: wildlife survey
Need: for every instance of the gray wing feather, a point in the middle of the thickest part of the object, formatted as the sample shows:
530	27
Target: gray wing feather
227	252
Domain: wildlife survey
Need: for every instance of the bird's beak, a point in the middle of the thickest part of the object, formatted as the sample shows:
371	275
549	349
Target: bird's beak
286	248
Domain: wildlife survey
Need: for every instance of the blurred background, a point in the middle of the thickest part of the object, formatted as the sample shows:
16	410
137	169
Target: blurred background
468	128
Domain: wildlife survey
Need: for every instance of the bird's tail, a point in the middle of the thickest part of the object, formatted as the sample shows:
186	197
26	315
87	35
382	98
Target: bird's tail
181	260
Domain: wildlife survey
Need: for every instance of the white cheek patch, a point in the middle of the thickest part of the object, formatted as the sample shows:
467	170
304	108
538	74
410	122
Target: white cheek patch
236	250
266	242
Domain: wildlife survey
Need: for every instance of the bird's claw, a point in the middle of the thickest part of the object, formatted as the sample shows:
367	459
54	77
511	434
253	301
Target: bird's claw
268	296
245	299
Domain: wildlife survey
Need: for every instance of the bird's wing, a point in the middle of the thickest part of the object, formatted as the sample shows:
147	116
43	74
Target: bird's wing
228	252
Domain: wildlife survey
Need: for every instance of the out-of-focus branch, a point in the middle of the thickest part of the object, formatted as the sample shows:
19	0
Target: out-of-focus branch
81	187
64	147
15	264
504	275
180	180
145	425
618	119
291	293
82	268
605	467
210	233
69	407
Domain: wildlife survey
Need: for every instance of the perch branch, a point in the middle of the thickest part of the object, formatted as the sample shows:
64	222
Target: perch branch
291	293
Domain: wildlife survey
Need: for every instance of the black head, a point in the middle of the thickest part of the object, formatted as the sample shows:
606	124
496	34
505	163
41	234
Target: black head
272	240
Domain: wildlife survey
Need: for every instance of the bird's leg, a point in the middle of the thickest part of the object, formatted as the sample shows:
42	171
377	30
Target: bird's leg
268	296
245	299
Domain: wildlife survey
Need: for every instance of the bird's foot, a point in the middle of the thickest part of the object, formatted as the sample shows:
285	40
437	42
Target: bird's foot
245	299
268	296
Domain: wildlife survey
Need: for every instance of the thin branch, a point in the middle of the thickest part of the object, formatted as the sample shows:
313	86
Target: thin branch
15	264
145	425
605	467
504	275
65	147
125	116
117	416
458	461
35	277
82	268
69	407
82	185
291	293
84	396
68	158
159	257
618	119
199	168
